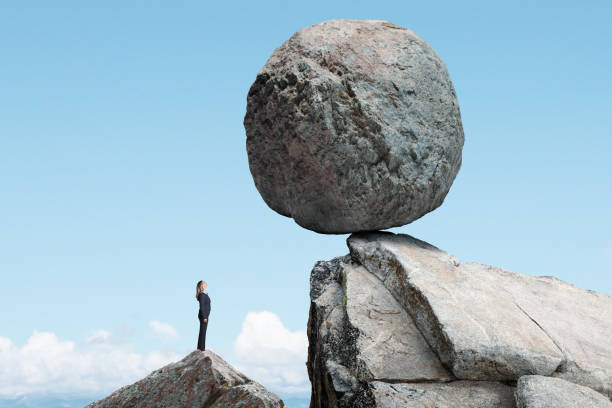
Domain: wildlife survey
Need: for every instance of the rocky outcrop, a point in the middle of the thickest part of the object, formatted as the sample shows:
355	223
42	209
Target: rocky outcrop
486	323
534	391
363	338
399	322
202	380
353	125
366	351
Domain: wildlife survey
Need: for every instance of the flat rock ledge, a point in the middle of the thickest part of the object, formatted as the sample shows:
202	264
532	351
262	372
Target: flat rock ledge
535	391
400	323
201	380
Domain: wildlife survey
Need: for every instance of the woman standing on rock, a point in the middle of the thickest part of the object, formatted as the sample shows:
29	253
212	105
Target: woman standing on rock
203	313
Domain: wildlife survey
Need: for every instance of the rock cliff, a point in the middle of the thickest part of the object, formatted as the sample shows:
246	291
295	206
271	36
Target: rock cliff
400	323
202	379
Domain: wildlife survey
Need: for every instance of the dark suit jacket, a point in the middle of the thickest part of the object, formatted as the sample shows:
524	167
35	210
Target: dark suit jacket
204	311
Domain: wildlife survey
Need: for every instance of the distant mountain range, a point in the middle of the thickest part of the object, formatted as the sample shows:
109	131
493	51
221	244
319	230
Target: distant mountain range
46	401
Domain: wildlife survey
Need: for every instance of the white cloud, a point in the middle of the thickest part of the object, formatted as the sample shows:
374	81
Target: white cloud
47	364
163	329
271	354
99	337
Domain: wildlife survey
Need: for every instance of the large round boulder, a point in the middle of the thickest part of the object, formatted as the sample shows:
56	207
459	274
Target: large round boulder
353	125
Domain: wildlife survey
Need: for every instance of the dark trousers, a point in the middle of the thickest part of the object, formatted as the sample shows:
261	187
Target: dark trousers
202	335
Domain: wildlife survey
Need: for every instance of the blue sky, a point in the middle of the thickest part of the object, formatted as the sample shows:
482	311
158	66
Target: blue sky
124	177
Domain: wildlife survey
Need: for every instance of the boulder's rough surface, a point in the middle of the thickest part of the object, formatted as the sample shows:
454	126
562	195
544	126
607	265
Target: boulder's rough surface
534	391
202	380
400	323
353	125
487	323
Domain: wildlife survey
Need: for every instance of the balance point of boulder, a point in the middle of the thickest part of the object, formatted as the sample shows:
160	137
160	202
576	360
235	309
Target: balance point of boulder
353	125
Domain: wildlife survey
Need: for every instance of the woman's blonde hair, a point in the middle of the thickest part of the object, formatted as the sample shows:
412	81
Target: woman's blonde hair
200	287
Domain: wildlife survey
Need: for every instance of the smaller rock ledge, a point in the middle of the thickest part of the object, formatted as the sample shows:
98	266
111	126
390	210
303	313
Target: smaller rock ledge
201	380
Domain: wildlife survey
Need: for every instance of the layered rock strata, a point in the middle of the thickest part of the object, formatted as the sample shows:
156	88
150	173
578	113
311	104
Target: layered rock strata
353	125
201	380
399	322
